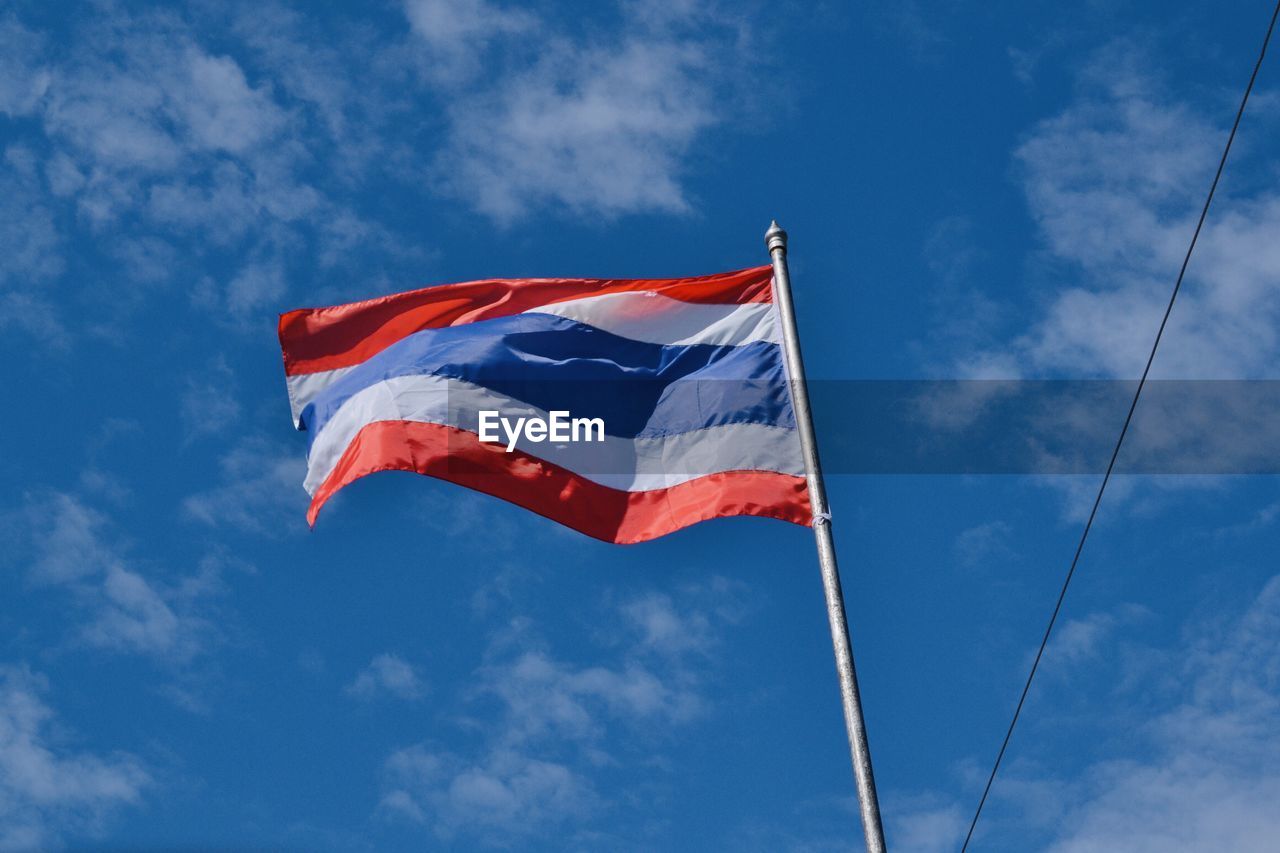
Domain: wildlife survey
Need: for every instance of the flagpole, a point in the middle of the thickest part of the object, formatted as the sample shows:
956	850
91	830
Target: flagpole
776	239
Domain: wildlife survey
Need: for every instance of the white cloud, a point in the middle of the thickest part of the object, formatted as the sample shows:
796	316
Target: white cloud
1262	519
507	795
465	24
305	66
222	112
260	490
68	544
134	617
257	286
387	674
27	233
1197	767
544	697
984	542
689	622
592	130
1081	639
35	316
522	780
163	127
365	115
924	36
209	402
144	122
144	98
219	204
146	260
926	825
664	629
1115	183
558	722
1210	777
48	791
238	147
23	79
595	124
32	249
457	32
122	609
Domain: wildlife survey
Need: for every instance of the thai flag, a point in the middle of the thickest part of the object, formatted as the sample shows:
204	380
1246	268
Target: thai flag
687	376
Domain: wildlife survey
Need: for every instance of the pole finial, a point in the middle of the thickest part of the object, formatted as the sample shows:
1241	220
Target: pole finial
775	237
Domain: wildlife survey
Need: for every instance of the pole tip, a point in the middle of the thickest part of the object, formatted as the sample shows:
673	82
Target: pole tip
775	237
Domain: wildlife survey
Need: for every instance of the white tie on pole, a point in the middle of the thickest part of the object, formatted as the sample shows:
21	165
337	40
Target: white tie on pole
776	239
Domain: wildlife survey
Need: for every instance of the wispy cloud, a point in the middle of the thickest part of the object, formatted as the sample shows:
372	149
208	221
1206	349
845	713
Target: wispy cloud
122	609
67	544
48	792
665	629
984	542
1079	641
1196	767
260	490
597	123
559	721
242	146
209	403
924	36
23	76
144	126
1207	778
1115	183
598	130
925	824
549	698
387	675
505	795
32	249
456	33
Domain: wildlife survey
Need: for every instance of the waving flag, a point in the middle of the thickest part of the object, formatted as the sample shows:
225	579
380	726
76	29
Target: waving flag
684	379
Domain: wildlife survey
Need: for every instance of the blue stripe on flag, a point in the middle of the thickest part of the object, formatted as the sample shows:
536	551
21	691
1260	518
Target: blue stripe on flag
639	389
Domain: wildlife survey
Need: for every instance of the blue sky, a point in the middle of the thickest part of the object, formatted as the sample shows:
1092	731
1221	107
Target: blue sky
972	190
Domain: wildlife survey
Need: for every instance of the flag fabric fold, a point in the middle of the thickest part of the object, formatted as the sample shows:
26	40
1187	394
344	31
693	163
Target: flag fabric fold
686	377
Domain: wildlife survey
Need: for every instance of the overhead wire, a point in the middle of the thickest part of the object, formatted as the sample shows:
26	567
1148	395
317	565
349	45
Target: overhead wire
1124	430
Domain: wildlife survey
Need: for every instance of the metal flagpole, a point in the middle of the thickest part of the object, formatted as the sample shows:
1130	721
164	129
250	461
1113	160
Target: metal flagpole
776	239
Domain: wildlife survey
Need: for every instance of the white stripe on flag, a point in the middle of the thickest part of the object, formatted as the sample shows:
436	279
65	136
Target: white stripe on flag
639	464
656	319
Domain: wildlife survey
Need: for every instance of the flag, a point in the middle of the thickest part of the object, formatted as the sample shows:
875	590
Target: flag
678	385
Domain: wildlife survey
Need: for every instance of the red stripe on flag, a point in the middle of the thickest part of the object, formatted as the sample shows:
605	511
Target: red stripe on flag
612	515
342	335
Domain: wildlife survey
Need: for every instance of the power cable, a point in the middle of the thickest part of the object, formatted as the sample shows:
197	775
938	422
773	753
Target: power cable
1106	478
